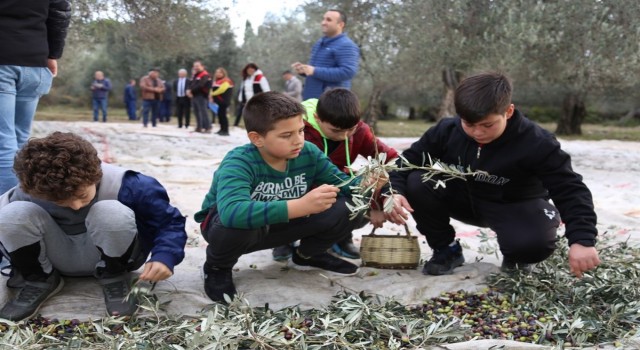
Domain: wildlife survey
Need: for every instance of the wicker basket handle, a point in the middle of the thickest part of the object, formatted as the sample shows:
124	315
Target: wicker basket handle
406	230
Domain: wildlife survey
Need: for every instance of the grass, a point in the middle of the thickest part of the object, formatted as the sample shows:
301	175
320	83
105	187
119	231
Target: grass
386	128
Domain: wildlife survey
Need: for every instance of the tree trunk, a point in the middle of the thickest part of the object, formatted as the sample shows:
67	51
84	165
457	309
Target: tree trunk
412	113
451	78
573	114
371	113
634	113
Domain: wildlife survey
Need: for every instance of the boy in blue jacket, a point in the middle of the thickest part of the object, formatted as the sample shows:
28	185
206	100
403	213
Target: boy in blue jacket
72	215
522	167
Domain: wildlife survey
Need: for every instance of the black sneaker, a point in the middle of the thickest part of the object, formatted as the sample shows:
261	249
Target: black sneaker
324	261
282	253
223	133
116	295
444	260
347	249
29	299
510	266
217	283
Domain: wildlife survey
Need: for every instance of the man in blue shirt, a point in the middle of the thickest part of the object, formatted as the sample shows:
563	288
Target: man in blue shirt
334	58
100	88
130	99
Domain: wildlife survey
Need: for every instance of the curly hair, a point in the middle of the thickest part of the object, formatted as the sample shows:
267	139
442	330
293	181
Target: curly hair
56	167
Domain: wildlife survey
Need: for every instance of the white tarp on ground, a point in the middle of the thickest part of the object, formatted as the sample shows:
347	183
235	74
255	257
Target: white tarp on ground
184	162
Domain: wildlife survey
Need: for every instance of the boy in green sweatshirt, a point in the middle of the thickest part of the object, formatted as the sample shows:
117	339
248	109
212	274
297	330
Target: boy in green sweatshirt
274	191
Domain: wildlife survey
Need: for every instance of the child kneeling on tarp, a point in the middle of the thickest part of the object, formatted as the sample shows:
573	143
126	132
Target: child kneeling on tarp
72	215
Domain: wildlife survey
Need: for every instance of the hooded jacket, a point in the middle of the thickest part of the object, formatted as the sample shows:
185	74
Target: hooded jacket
160	226
335	61
360	143
32	31
525	162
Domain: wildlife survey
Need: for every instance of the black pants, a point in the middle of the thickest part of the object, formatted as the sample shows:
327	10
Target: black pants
239	108
316	233
183	110
222	116
526	230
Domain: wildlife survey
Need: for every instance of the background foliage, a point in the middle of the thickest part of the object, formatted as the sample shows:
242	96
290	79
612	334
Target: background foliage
570	60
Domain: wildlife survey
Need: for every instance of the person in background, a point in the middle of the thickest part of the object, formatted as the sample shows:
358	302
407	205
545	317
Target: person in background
165	104
32	37
253	82
199	90
183	102
131	99
222	94
100	88
334	61
152	89
292	85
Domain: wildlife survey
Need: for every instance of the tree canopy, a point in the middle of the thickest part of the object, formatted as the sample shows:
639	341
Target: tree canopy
563	55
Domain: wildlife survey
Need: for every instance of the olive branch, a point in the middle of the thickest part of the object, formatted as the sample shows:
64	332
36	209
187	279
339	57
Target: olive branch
375	173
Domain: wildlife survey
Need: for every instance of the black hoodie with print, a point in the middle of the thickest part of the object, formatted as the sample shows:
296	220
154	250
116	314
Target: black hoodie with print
525	162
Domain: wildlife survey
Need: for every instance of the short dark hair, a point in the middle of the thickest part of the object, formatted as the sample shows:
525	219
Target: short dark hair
57	166
343	16
482	94
287	72
266	108
339	107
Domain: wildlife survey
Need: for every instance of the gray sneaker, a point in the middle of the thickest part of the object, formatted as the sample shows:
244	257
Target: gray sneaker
116	290
32	295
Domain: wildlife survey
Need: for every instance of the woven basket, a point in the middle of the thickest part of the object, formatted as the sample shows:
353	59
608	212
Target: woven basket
390	251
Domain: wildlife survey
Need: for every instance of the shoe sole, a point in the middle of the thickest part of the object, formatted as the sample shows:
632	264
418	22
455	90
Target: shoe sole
336	249
53	293
313	268
437	272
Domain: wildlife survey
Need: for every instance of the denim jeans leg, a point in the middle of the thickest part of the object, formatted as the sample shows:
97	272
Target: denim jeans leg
155	111
95	104
146	108
103	106
20	90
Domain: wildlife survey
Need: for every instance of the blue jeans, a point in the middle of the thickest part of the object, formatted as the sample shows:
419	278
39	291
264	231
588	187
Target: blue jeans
131	110
20	90
99	104
152	106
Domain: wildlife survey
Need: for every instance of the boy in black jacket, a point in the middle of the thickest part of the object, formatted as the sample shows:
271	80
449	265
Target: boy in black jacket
524	168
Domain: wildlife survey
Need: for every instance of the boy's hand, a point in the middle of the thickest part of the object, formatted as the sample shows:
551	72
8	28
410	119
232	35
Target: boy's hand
582	259
398	215
321	198
377	218
155	271
316	201
378	180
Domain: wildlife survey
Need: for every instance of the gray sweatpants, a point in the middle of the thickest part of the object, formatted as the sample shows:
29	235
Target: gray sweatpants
111	226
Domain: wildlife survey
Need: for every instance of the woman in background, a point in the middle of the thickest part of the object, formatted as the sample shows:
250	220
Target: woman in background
254	82
221	94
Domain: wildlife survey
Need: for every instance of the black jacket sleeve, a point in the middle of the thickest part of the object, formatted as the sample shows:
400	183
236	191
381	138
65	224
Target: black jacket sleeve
57	25
569	194
418	154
